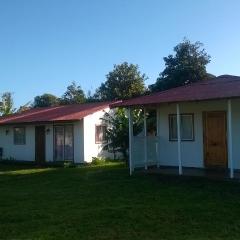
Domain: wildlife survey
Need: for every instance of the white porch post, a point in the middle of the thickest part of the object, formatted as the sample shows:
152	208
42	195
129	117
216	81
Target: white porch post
130	126
179	140
145	138
158	139
230	154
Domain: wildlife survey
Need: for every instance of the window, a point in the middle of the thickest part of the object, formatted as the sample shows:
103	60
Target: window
187	127
63	143
19	136
100	134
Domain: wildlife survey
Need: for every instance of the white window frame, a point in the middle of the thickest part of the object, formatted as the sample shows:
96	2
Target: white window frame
24	136
97	141
170	127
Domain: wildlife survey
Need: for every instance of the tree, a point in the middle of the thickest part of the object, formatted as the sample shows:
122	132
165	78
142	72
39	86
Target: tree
24	107
73	95
188	65
45	100
6	104
91	98
117	132
125	81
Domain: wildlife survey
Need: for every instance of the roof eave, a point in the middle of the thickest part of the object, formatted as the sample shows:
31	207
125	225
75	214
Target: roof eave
40	122
170	102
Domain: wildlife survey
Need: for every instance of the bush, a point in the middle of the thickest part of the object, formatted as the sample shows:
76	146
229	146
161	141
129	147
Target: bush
97	161
69	164
102	161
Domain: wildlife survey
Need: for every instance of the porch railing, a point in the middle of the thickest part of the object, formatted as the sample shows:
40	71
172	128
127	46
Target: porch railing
139	146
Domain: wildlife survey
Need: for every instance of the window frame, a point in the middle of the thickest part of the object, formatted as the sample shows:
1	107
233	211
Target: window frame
193	127
14	136
97	141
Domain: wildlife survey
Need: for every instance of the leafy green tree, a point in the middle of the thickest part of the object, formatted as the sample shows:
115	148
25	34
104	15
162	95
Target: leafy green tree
73	95
45	100
125	81
6	104
117	132
187	65
91	97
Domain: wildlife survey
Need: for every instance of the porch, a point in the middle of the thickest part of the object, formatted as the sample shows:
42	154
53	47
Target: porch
169	152
215	174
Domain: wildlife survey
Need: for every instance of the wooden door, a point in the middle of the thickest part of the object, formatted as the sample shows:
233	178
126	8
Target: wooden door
215	142
40	144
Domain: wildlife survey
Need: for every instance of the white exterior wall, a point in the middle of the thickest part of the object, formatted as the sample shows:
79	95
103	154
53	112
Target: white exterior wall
236	133
18	152
78	142
24	152
191	151
91	148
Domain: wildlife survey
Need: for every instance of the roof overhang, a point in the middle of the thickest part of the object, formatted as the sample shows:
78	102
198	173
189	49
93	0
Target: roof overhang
126	105
219	88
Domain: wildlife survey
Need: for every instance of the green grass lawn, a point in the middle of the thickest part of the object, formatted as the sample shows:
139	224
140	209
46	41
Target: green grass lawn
103	202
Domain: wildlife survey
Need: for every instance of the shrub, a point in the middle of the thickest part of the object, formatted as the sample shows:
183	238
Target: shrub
98	161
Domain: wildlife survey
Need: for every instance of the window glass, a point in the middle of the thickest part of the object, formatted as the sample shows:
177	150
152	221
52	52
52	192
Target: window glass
19	136
100	134
63	143
187	127
187	133
58	143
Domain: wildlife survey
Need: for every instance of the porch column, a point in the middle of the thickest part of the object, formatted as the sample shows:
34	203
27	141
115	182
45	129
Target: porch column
158	139
130	126
230	154
145	138
179	140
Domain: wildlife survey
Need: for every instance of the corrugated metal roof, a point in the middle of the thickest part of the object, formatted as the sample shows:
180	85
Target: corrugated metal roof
54	114
222	87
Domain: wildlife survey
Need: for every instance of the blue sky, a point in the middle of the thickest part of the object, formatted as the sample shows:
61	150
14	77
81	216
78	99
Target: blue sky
46	44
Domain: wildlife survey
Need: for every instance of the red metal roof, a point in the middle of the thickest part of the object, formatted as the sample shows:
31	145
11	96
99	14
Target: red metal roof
222	87
54	114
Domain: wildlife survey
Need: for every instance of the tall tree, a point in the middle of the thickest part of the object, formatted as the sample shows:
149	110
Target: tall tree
73	95
45	100
125	81
6	104
187	65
